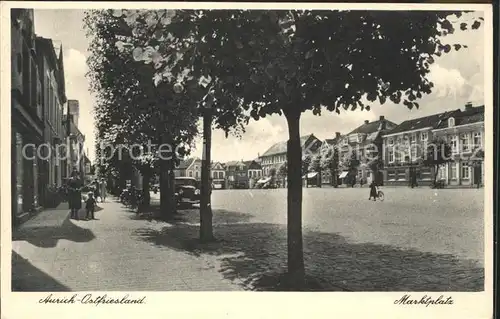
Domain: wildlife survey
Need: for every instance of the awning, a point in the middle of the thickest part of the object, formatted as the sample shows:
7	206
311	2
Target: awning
310	175
263	180
343	174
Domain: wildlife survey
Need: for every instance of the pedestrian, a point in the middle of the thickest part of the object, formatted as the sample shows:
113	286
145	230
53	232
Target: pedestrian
90	206
97	190
103	189
74	194
373	191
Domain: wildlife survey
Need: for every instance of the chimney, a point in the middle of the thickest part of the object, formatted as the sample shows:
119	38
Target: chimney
366	121
468	105
382	118
337	134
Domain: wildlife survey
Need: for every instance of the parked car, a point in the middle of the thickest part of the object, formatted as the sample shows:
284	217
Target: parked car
187	190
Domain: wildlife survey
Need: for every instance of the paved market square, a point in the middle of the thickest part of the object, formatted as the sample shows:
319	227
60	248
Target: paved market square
416	240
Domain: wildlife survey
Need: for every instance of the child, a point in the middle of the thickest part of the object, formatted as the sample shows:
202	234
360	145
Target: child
90	206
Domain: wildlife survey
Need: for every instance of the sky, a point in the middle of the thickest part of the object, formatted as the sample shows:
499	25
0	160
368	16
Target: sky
458	78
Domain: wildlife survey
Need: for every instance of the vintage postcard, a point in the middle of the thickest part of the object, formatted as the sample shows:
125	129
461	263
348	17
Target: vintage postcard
281	160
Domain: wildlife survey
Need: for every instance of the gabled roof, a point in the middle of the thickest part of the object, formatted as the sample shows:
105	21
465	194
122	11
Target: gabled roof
253	164
371	127
467	116
184	164
280	147
421	122
232	163
333	141
215	164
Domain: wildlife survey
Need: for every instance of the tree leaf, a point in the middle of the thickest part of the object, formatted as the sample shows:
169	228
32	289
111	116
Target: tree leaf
138	54
309	54
476	25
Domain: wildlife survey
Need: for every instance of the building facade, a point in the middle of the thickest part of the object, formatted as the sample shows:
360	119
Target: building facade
27	118
254	172
189	168
405	148
326	175
275	156
365	143
464	132
237	175
51	71
218	172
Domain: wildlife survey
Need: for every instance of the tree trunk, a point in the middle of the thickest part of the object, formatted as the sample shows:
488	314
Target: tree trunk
206	231
146	180
165	189
320	178
296	269
172	203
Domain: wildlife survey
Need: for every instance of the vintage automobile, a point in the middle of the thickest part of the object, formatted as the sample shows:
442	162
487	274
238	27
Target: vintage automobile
187	190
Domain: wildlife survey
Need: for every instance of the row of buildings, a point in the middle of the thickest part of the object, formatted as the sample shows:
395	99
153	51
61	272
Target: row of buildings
398	150
234	174
41	128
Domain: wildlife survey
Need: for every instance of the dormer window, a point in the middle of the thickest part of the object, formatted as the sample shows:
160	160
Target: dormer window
345	141
451	122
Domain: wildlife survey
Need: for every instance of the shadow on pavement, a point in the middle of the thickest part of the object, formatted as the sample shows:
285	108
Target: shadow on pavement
48	236
256	255
192	216
26	277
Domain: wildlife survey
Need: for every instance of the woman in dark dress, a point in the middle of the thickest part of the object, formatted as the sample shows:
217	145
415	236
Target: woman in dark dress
373	191
75	194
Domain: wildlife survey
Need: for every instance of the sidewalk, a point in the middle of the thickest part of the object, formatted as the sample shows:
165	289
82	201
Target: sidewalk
53	253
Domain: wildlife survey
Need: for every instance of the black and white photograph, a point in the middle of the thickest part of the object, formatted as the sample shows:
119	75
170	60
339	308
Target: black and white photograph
274	149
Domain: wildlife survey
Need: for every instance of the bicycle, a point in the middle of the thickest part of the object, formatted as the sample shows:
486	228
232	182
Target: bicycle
380	195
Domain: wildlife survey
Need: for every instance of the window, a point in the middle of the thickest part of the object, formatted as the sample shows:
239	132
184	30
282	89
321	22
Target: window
465	140
391	155
477	139
413	152
345	141
442	172
424	136
196	167
454	171
413	138
197	174
451	122
454	144
397	155
190	173
391	175
221	175
390	141
465	171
